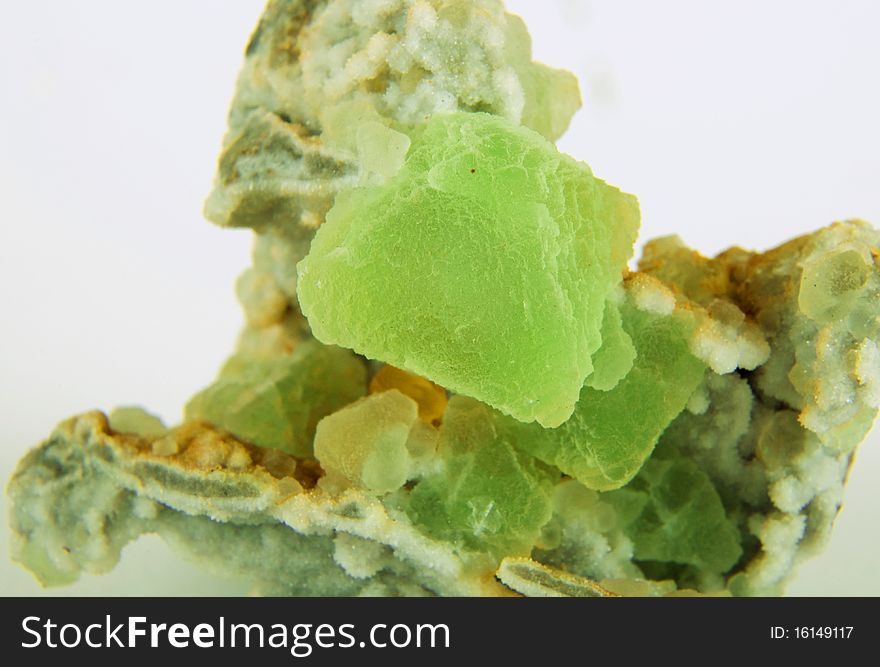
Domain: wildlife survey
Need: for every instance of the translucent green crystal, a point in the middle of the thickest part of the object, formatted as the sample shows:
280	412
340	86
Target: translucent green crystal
831	285
278	402
674	515
484	265
613	360
612	433
488	496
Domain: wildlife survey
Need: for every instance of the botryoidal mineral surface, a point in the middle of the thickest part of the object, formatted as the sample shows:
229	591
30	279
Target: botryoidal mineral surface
449	382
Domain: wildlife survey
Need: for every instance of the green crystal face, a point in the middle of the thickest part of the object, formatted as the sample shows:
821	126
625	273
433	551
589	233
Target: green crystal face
488	497
612	433
674	516
278	402
484	263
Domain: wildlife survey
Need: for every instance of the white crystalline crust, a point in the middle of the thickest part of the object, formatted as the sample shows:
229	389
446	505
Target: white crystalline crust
778	441
254	521
320	73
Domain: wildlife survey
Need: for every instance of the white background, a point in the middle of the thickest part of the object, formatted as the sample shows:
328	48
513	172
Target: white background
741	122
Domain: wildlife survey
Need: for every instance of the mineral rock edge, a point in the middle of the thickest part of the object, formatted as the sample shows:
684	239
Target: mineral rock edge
449	382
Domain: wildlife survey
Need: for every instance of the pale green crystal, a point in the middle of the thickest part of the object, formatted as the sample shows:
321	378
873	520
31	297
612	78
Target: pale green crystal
822	288
584	535
278	403
132	419
709	432
673	514
483	264
365	443
488	495
615	358
302	95
778	443
612	433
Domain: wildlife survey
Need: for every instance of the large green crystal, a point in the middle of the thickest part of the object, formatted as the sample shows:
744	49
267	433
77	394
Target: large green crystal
483	264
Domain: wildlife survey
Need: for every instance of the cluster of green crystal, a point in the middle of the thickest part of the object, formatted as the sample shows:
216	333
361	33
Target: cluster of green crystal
506	397
612	432
778	441
331	96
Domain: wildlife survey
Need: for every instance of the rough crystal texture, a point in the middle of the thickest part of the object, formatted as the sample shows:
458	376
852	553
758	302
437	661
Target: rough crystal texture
778	443
615	358
612	433
328	95
673	515
317	70
235	508
483	264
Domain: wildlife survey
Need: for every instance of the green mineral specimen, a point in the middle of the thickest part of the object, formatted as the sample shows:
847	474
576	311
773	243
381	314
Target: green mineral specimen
686	428
316	70
483	264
